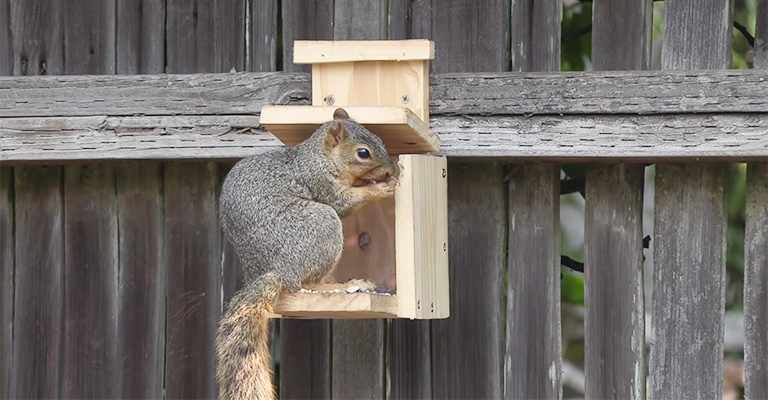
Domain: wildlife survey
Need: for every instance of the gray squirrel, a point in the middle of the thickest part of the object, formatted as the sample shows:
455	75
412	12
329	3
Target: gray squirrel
282	213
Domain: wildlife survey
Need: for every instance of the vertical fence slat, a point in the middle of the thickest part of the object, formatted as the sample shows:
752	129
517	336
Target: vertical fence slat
304	19
359	19
756	250
533	353
90	282
756	283
38	310
141	296
305	362
36	39
140	37
532	362
6	280
615	313
89	36
193	295
467	347
686	358
263	54
6	44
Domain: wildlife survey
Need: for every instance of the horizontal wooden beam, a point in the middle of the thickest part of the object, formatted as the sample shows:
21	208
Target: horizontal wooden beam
601	116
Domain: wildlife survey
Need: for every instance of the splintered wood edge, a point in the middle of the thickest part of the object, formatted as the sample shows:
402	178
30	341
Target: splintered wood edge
327	51
400	129
336	305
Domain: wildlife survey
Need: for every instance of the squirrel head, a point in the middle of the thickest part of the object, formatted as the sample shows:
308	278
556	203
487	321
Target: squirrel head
358	153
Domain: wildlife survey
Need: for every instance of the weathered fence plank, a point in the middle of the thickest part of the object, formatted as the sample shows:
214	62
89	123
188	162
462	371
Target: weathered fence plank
756	249
89	36
140	46
37	33
263	25
141	295
38	282
305	20
533	358
89	363
193	252
6	279
613	259
535	93
357	359
686	358
6	43
467	348
756	283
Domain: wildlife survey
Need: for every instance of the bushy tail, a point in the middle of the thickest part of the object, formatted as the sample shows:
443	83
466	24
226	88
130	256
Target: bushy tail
244	365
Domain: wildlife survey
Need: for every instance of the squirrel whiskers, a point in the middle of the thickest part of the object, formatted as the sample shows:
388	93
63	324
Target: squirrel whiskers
281	211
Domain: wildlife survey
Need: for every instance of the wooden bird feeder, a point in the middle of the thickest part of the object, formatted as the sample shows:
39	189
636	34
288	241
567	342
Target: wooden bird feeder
401	243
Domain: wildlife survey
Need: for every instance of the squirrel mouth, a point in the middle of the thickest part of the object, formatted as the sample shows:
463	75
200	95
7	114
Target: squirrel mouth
365	182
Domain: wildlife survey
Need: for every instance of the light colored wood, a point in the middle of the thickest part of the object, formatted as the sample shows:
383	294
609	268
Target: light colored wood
336	305
421	229
398	127
328	51
373	83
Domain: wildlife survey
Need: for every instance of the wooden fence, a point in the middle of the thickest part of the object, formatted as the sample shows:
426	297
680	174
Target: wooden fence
114	270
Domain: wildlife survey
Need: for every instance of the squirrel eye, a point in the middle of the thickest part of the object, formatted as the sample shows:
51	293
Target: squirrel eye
363	153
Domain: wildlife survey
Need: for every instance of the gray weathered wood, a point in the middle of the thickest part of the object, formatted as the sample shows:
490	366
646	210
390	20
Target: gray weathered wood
90	285
409	362
89	36
686	359
205	36
263	51
508	93
141	295
6	280
193	257
140	45
304	20
533	356
467	348
613	259
756	283
305	368
598	138
756	250
613	264
359	19
357	359
6	42
37	33
38	282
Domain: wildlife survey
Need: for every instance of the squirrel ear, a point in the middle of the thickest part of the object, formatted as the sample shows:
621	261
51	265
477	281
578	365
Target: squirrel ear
336	133
340	113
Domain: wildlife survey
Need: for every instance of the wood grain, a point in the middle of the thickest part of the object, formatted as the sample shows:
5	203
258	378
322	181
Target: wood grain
264	35
140	46
193	293
357	366
686	359
39	282
89	358
756	283
613	255
7	271
305	368
37	36
305	19
89	36
532	361
533	355
6	41
141	294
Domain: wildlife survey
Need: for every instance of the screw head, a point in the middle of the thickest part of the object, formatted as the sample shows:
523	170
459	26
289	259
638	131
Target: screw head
363	240
445	173
405	99
329	100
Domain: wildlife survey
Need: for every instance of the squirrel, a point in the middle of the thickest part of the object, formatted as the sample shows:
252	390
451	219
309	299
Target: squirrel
282	213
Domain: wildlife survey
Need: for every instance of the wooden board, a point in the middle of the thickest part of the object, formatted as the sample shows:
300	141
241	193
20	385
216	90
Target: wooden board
142	269
7	272
686	360
400	129
326	51
305	359
38	282
337	305
357	366
89	357
613	257
421	229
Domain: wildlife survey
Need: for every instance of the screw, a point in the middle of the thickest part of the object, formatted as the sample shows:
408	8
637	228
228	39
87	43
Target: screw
363	240
405	99
445	173
418	304
432	307
329	100
445	247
